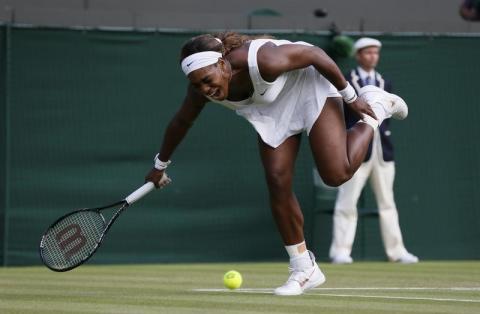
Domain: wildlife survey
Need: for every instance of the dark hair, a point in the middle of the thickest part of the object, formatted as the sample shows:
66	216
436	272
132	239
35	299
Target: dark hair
207	42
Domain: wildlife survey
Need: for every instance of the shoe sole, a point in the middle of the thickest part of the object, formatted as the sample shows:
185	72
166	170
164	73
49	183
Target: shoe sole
341	262
401	111
406	261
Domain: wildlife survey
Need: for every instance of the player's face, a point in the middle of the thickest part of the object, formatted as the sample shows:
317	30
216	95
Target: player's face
211	81
368	57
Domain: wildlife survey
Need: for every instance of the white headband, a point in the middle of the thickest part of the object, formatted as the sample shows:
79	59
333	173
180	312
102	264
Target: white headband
199	60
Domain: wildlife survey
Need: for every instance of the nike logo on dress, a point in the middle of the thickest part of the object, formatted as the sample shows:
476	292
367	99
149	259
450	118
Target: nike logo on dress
261	94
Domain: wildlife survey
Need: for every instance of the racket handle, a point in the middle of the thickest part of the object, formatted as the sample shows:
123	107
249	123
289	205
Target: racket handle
139	193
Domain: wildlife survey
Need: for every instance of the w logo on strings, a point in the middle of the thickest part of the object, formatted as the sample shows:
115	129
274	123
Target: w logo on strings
70	240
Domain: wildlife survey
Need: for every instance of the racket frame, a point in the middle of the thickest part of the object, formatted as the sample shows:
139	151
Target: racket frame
117	213
126	202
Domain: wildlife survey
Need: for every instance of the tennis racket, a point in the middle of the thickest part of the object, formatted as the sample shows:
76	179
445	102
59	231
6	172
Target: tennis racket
73	238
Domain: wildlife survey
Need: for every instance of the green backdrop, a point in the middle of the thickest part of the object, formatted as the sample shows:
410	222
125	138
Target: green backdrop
83	113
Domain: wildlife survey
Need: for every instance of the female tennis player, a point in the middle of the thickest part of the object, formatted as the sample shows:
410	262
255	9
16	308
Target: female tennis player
282	88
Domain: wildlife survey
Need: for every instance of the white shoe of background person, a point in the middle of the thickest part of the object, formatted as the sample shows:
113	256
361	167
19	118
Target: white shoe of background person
342	259
407	258
393	106
304	275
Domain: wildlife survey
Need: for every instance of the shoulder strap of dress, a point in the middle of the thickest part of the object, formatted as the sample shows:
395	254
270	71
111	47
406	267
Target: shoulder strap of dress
252	57
252	60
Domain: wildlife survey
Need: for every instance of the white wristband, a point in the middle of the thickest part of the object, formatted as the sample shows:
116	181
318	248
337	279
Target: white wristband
348	94
160	165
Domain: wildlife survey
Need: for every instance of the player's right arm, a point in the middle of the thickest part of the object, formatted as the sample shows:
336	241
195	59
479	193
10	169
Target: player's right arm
178	127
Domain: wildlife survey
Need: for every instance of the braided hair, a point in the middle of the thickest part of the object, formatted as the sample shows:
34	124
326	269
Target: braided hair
209	42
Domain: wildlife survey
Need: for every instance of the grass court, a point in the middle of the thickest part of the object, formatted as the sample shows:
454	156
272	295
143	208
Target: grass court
379	287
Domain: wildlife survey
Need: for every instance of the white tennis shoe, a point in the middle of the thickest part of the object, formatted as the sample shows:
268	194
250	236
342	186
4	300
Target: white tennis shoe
304	275
407	258
393	105
342	259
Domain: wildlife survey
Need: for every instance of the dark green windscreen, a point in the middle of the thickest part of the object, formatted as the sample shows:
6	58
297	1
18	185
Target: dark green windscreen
84	112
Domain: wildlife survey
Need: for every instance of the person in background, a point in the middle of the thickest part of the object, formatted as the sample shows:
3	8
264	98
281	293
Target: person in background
378	166
470	10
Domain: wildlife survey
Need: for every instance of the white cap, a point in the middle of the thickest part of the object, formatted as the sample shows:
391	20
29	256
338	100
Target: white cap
366	42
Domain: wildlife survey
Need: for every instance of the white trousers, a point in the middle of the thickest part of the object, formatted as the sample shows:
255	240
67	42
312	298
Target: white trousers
382	175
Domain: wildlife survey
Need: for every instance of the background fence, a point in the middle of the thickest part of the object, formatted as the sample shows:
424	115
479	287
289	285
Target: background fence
83	113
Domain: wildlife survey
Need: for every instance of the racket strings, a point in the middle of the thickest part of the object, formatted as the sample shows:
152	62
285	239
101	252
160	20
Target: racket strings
71	240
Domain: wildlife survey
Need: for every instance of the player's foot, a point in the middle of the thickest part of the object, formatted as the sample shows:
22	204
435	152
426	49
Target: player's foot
342	259
304	275
393	105
407	258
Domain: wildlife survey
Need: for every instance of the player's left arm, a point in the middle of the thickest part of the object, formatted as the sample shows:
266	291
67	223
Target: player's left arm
274	60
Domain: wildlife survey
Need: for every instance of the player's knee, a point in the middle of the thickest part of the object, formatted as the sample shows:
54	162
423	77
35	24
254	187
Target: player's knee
278	179
336	179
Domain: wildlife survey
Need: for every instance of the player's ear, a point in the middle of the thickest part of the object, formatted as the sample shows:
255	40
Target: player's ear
222	64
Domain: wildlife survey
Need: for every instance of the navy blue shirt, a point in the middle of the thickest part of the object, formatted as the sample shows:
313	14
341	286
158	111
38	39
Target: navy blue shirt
351	119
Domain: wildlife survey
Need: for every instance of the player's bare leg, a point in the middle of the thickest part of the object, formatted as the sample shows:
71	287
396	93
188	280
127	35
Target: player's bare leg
279	166
279	169
338	152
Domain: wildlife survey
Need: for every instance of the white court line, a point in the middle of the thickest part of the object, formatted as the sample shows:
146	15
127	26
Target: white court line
270	291
406	288
353	288
398	298
242	290
259	290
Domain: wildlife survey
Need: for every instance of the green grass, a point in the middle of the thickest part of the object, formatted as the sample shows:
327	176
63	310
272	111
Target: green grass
169	289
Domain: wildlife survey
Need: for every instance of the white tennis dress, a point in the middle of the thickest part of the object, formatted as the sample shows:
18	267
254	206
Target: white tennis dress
289	105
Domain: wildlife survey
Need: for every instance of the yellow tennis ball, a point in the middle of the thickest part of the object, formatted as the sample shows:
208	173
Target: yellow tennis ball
232	279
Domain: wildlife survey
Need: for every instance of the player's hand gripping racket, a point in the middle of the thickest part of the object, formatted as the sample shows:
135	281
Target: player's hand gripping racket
72	239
